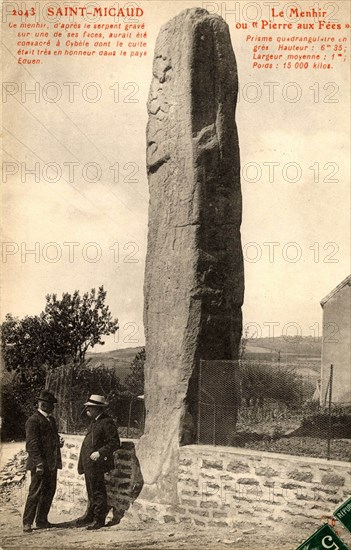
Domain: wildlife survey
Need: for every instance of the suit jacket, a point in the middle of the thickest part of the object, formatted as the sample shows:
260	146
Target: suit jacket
102	436
42	443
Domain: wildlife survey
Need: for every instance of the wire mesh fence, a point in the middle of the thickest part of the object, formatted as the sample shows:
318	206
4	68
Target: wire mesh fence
218	401
271	407
72	386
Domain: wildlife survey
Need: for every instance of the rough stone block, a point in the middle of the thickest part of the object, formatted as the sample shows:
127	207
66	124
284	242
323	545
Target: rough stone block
205	476
185	520
214	486
123	475
221	524
220	515
215	464
194	261
238	467
169	519
179	510
123	484
247	481
266	471
291	486
202	513
185	462
191	493
300	475
188	502
124	456
227	478
333	479
208	505
128	446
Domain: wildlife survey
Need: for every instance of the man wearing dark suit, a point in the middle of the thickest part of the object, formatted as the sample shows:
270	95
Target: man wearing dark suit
44	459
96	458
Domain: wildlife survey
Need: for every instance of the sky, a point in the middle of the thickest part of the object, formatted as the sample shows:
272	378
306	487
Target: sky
86	233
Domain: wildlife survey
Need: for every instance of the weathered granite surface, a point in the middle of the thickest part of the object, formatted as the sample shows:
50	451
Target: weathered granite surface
194	279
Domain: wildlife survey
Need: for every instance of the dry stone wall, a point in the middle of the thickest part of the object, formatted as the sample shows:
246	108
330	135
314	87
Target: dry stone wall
222	487
216	487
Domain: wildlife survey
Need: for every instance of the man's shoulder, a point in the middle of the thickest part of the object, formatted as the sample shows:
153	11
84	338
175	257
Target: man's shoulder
107	419
34	418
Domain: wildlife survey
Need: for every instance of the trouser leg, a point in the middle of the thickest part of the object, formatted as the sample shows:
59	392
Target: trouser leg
32	498
47	493
97	495
89	513
100	499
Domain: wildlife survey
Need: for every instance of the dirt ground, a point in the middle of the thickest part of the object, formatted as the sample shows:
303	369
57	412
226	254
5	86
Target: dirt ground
128	535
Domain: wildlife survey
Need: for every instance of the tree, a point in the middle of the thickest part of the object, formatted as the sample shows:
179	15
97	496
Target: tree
261	381
76	323
23	355
135	379
22	342
243	344
61	334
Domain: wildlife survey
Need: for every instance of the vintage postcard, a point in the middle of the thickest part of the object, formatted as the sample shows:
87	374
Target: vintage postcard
176	265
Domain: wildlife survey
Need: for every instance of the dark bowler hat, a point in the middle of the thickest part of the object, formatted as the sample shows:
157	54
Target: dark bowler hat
47	396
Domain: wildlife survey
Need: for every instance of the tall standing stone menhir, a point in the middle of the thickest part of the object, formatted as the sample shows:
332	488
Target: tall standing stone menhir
194	279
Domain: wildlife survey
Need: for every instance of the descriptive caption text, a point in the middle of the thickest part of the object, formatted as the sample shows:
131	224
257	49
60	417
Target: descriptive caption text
80	31
310	40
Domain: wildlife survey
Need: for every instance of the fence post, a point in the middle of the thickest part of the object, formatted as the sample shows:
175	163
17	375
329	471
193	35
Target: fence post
214	423
199	405
329	409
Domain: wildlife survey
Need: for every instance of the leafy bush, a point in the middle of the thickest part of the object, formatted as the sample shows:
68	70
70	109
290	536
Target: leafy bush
19	401
135	380
260	381
13	418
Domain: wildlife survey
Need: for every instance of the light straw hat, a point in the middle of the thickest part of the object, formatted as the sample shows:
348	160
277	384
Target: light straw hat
96	401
